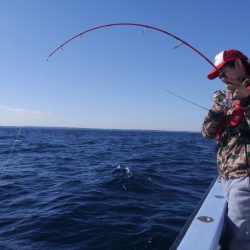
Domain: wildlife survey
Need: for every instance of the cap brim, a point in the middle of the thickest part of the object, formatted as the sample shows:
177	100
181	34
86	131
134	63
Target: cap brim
215	72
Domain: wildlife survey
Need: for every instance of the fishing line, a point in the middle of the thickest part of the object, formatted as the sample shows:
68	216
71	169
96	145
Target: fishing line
184	99
40	77
11	152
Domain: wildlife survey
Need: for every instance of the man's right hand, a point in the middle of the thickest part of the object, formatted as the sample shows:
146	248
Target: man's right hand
217	108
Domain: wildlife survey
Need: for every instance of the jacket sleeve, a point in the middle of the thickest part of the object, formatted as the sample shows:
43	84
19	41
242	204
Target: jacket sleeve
211	124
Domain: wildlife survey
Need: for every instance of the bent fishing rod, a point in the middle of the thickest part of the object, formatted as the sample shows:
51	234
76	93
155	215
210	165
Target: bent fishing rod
180	42
136	25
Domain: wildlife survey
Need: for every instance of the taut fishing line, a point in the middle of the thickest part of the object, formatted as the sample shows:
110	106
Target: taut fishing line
184	99
11	152
38	77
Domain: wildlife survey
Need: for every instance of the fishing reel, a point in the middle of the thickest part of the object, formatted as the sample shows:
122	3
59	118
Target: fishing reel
220	97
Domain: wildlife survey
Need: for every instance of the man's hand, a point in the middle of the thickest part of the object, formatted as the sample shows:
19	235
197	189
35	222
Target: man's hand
217	108
241	92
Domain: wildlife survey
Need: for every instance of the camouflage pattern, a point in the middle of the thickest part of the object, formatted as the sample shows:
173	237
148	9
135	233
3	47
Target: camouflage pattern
234	154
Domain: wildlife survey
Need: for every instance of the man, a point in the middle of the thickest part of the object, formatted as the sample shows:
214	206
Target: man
230	125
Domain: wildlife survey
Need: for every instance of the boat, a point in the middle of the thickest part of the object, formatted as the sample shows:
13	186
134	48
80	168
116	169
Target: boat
204	227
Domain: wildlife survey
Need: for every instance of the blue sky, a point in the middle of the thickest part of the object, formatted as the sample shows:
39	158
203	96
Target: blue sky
113	78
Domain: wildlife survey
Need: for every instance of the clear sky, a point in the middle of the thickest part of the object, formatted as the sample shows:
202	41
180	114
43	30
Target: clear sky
113	78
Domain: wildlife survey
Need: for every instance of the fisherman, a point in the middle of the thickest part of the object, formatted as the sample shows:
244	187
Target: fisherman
230	125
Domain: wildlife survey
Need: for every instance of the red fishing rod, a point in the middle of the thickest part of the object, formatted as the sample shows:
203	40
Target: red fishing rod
131	24
146	27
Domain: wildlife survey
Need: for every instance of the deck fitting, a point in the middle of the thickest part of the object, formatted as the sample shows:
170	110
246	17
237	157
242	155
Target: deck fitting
206	219
219	196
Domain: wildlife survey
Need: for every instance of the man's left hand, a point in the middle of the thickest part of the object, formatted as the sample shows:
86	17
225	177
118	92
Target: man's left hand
241	92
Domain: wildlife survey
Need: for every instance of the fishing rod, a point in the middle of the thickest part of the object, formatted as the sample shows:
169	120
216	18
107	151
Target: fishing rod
180	43
132	24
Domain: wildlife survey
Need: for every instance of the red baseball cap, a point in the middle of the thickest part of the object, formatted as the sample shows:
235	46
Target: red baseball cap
222	58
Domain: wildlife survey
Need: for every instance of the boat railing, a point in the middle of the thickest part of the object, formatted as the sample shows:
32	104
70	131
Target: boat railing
203	229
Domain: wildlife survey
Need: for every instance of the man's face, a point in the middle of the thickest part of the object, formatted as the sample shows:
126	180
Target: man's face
231	76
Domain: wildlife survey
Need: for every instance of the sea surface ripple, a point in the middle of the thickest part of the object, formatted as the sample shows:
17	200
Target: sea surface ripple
99	189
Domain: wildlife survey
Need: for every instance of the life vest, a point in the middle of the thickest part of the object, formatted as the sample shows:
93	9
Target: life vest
232	120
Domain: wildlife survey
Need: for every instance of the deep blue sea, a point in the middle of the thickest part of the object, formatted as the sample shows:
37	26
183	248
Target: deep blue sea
99	189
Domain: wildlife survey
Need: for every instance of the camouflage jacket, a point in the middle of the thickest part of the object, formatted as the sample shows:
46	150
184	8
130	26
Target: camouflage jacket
233	151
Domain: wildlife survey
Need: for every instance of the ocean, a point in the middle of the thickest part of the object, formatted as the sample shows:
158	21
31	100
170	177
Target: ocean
73	189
